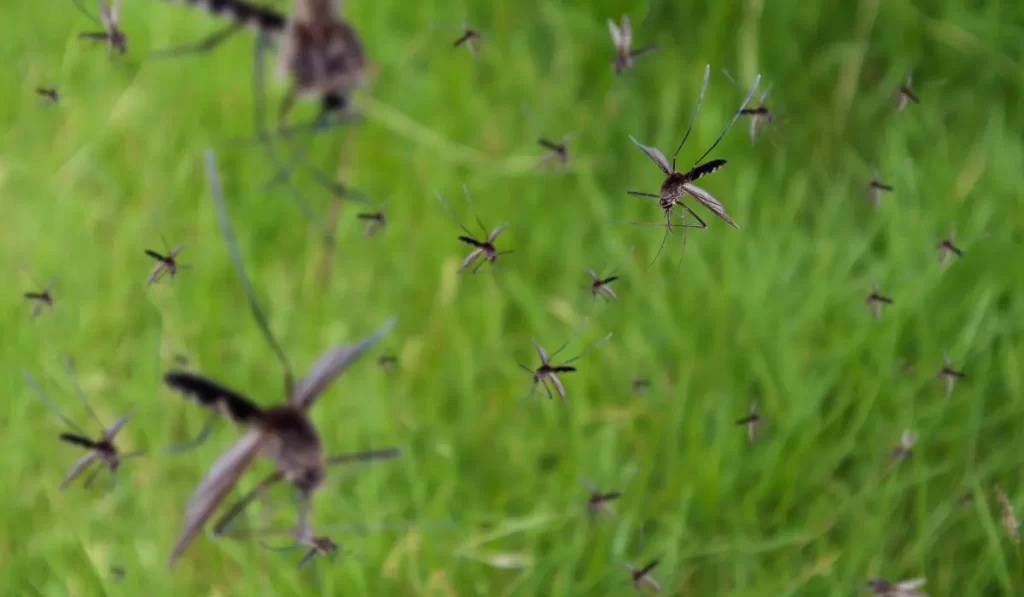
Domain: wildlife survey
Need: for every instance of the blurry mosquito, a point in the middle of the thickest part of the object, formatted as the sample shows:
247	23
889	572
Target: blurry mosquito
622	37
109	17
876	301
375	220
640	386
41	300
905	93
49	94
601	285
677	184
901	451
481	249
751	421
906	588
642	576
548	372
946	246
387	362
469	37
948	375
1007	518
100	450
166	264
282	433
302	537
555	150
759	116
601	501
875	188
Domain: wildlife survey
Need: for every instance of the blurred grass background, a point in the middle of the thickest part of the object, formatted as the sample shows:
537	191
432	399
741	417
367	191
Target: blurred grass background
773	310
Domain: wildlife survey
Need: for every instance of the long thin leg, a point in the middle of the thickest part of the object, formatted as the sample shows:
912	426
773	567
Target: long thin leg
454	219
46	402
204	45
587	351
579	329
198	440
746	100
689	127
465	191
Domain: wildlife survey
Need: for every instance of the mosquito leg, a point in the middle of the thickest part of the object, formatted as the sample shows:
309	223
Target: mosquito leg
198	440
204	45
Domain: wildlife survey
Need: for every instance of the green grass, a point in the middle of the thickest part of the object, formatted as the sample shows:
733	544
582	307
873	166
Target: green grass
774	309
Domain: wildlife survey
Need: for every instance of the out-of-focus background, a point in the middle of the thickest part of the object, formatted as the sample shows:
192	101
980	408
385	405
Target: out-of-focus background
493	480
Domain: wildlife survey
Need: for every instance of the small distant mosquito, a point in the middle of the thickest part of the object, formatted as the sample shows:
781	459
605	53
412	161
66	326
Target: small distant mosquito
677	184
166	263
109	18
41	300
601	285
875	188
906	588
601	501
946	246
303	537
117	572
904	93
640	577
948	375
1007	518
640	385
375	220
49	94
282	433
622	37
387	362
902	451
752	420
102	450
555	150
875	301
469	37
485	248
548	372
759	116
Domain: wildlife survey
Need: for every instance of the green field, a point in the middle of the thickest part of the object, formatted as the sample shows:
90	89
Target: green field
773	310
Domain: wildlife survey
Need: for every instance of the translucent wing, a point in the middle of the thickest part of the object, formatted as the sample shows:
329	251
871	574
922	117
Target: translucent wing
470	259
494	234
655	155
616	34
627	32
78	469
115	428
540	352
707	200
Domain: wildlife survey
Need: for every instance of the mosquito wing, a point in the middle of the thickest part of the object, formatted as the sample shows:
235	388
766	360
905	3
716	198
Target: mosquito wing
330	365
108	17
473	256
656	156
616	33
214	396
117	425
707	200
177	250
80	466
627	32
219	480
494	234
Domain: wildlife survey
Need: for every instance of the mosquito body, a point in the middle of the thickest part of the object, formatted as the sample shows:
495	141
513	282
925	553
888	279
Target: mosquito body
100	450
375	221
109	19
469	38
907	588
642	576
548	372
40	300
555	150
946	247
622	38
751	421
875	189
166	264
905	93
901	451
601	501
602	286
1008	520
677	184
282	433
948	375
49	94
876	301
482	250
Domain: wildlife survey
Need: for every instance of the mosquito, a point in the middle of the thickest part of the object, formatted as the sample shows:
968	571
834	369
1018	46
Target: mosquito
640	386
548	372
49	94
641	576
906	588
946	247
100	450
375	220
109	18
876	301
677	184
904	93
555	150
484	248
387	362
875	188
948	375
41	300
752	420
622	37
469	37
901	451
166	264
601	285
282	433
1007	518
302	537
601	501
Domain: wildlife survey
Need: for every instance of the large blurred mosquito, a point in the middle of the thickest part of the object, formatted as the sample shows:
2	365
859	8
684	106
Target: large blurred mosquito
548	372
1007	517
904	93
166	264
946	247
677	184
875	188
949	375
905	588
100	450
876	301
375	220
555	150
601	501
642	576
752	420
622	37
109	18
481	248
41	300
282	433
469	38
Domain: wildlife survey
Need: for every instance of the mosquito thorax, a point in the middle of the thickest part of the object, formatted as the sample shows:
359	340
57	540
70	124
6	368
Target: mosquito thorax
323	58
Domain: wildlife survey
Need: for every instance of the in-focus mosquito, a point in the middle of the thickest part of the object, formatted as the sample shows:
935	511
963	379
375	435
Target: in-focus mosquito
109	18
555	150
946	247
622	37
901	451
677	184
548	372
481	249
469	38
905	93
907	588
1007	518
100	450
875	188
642	576
166	264
599	501
375	220
49	94
876	301
282	433
41	300
948	375
751	421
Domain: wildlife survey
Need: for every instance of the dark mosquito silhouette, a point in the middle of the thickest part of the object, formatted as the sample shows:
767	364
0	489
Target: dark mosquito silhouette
555	150
375	220
100	450
469	38
875	188
282	433
751	421
948	375
901	451
41	300
387	362
876	301
601	501
166	264
759	116
904	93
677	184
1007	518
481	248
601	285
622	37
905	588
548	372
946	247
109	18
49	94
642	576
640	386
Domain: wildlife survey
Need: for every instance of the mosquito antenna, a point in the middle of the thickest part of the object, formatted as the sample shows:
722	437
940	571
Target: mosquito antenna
250	293
619	262
746	100
46	401
465	190
587	351
571	338
703	88
83	10
78	390
456	220
664	238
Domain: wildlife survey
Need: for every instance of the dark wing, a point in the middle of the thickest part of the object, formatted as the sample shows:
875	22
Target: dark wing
214	396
